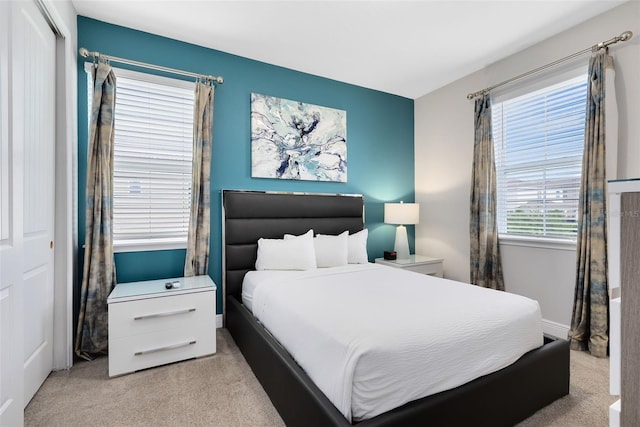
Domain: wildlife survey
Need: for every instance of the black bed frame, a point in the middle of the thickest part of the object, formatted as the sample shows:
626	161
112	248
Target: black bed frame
502	398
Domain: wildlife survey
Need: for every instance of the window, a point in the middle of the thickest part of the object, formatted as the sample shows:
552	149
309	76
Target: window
153	149
539	140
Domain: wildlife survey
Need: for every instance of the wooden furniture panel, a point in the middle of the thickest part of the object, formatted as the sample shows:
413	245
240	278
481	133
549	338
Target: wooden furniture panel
630	289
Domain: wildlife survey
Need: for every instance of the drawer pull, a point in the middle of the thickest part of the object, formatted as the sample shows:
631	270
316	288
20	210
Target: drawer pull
168	313
169	347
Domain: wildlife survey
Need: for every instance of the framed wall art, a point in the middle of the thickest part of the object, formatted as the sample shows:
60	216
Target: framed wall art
295	140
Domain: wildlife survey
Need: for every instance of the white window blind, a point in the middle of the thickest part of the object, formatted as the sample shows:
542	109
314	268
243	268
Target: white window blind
539	140
153	149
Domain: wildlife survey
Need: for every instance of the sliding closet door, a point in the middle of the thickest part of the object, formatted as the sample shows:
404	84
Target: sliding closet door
34	60
630	288
11	381
27	141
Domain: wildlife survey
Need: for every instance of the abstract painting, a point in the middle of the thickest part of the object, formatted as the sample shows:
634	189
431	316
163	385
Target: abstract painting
294	140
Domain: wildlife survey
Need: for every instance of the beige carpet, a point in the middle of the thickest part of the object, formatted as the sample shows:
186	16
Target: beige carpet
218	390
221	390
587	404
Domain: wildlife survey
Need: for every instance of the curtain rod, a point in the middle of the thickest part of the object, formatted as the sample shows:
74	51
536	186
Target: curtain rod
97	55
621	38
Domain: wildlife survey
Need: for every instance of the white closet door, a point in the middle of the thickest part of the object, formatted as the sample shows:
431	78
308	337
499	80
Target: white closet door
34	67
11	343
27	130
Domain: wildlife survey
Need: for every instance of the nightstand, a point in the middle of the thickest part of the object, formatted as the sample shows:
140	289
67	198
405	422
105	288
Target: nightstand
150	325
418	263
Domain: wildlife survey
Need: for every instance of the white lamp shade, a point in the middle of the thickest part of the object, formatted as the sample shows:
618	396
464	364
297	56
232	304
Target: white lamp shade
401	213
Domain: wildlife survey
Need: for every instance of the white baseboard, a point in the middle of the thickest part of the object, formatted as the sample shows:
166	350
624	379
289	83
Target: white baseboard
555	329
614	414
218	320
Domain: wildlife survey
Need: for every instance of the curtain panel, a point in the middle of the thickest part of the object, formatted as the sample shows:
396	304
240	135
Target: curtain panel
197	258
485	262
590	318
99	272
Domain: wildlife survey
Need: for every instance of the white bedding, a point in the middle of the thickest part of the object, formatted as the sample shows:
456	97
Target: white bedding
373	337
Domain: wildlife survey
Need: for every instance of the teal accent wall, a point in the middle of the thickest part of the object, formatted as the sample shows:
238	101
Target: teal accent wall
380	140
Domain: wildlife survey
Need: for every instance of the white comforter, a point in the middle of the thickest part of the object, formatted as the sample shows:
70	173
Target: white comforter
373	337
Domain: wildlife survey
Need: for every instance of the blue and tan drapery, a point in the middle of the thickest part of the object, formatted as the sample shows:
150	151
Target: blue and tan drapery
485	263
99	274
590	319
197	257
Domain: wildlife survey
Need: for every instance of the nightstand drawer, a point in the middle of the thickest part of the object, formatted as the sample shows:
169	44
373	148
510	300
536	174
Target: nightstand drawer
138	317
431	269
133	353
416	263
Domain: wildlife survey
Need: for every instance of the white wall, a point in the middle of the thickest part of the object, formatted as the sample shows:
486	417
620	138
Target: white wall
444	149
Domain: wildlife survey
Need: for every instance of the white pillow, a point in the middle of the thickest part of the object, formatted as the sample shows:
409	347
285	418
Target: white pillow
294	253
331	251
357	244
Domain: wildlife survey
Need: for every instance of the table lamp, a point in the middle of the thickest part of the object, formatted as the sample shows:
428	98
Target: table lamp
401	214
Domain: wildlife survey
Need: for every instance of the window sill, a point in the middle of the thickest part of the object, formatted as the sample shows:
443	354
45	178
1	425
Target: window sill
148	245
533	242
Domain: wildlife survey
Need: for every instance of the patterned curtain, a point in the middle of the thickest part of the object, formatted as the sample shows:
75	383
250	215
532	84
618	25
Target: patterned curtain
197	258
486	267
99	274
590	320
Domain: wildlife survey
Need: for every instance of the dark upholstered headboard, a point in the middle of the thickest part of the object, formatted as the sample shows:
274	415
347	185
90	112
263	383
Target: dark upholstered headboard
250	215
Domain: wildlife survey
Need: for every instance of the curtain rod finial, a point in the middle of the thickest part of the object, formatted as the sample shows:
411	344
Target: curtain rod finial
626	36
83	52
214	79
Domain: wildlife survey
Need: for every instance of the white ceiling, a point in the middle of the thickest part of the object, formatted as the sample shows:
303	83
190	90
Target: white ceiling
407	48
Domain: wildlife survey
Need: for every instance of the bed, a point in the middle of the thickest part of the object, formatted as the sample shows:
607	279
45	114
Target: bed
504	397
